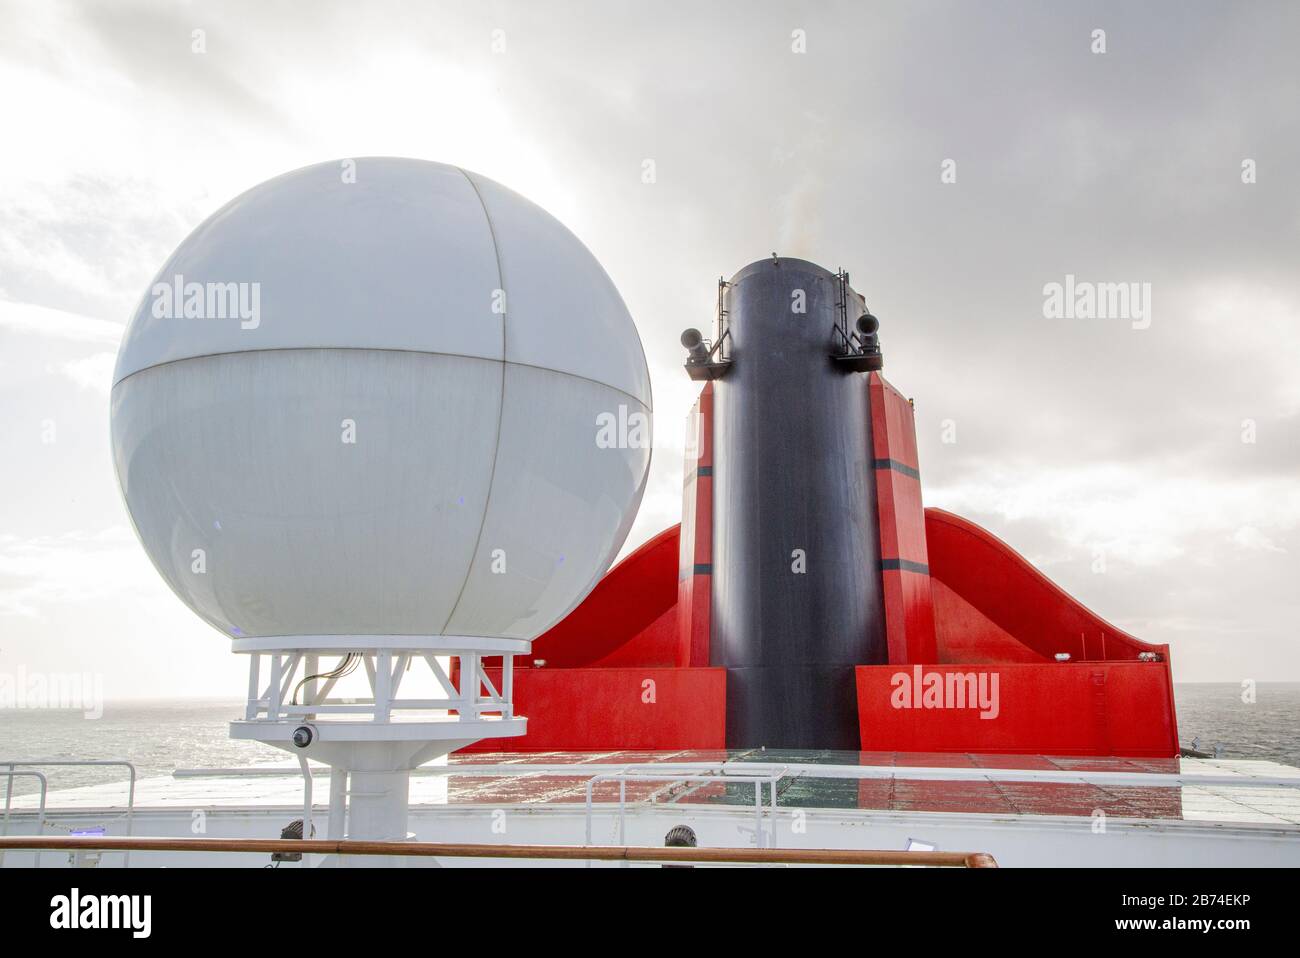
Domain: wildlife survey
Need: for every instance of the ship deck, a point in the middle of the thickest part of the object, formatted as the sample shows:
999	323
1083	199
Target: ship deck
1024	809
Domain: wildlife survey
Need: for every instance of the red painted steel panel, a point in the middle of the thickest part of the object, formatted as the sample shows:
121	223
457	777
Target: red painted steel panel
909	612
1017	598
963	634
1105	708
605	709
918	614
905	495
900	421
655	645
695	562
628	601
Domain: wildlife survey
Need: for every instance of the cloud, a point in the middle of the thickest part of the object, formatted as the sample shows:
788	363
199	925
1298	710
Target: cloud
1131	513
76	567
30	319
93	373
1248	537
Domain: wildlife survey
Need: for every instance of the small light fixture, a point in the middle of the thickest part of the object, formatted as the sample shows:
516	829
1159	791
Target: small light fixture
693	340
1062	656
868	328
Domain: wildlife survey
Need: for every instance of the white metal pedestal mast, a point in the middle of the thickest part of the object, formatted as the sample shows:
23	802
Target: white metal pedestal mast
371	744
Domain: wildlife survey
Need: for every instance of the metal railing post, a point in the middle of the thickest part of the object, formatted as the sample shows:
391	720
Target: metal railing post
71	763
12	773
306	802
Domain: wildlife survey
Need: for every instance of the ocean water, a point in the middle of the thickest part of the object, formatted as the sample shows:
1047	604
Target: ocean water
161	736
157	736
1268	728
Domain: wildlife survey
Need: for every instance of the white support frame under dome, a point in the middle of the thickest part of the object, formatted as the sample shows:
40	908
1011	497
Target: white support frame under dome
270	691
274	672
372	743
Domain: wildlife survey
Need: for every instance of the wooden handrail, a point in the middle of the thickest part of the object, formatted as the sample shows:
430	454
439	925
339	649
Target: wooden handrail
739	856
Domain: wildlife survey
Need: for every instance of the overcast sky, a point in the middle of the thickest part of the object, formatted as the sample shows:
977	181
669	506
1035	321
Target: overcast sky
1112	456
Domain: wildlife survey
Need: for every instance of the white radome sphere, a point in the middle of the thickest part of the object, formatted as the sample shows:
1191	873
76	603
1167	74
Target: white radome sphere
474	498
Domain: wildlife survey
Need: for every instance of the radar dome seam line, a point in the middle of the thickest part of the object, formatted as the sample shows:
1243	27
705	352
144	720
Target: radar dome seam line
501	408
390	349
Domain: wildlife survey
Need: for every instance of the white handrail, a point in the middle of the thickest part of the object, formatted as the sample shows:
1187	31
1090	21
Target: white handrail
657	773
78	763
9	795
807	770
